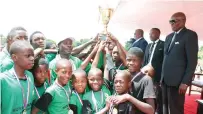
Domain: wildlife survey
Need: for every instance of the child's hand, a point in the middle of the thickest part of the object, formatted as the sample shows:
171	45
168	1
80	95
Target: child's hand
149	70
96	47
119	98
101	46
112	37
108	103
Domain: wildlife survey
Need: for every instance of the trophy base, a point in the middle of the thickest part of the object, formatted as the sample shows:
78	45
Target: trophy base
103	37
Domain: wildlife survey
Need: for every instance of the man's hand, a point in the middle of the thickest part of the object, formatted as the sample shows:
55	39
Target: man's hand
182	88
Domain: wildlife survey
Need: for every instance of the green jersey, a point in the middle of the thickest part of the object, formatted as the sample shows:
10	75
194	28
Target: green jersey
6	63
101	60
39	91
55	100
76	63
16	95
96	100
76	99
50	56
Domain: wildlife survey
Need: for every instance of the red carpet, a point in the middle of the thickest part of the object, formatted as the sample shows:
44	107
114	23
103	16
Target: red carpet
191	104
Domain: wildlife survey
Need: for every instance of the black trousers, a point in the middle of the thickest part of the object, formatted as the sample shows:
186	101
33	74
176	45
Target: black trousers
158	92
173	102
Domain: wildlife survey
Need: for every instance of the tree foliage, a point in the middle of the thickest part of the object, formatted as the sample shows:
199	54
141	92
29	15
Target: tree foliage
200	53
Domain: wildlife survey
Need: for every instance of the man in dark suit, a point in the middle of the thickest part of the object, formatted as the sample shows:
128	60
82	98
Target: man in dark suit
139	42
180	60
154	56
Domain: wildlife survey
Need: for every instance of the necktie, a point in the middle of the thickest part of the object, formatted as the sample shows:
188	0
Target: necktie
150	50
172	41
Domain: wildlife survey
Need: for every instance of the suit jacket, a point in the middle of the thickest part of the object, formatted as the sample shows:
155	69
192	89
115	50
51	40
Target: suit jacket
157	59
142	44
180	61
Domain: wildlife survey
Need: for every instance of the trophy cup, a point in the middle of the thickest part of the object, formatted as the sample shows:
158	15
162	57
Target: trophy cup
105	16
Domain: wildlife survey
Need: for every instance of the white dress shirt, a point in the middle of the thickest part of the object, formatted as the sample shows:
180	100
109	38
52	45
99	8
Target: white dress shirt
153	50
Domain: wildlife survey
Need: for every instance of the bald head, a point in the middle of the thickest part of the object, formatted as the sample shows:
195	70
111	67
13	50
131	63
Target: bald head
124	74
63	63
79	73
95	71
177	21
138	33
18	46
179	14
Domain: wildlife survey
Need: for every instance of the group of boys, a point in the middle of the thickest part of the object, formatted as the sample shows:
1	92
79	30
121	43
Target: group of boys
109	79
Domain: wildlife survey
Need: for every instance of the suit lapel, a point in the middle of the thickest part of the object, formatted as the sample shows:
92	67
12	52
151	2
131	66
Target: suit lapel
157	47
137	43
147	52
178	36
168	43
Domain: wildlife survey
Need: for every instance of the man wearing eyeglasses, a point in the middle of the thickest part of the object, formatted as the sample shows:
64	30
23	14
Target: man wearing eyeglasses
180	59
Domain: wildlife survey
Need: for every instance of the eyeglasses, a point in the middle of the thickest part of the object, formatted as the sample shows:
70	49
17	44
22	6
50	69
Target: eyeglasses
173	21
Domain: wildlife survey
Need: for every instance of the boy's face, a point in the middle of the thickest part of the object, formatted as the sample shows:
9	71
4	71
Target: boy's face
134	63
80	83
121	84
38	40
115	54
64	74
20	35
41	73
95	81
24	58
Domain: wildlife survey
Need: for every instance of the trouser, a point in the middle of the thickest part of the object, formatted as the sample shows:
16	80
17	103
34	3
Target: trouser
173	102
159	104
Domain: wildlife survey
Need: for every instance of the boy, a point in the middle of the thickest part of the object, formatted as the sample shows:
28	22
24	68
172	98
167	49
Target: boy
142	85
94	100
16	33
17	83
40	73
55	100
38	41
124	103
79	85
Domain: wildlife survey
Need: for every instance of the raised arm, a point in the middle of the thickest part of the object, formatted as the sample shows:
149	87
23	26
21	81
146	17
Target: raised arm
38	52
122	52
96	59
90	56
79	48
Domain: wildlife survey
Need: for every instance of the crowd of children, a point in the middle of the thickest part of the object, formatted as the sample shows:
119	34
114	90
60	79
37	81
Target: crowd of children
109	80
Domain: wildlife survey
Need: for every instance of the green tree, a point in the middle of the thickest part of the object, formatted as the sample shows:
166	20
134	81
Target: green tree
2	40
200	53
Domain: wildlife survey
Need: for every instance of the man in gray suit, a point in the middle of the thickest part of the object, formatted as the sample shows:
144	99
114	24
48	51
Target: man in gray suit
180	60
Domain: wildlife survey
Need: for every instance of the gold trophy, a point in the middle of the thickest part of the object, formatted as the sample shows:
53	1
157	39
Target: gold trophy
105	16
